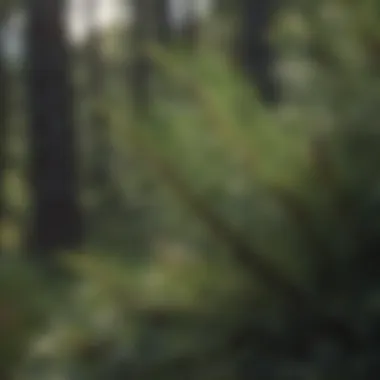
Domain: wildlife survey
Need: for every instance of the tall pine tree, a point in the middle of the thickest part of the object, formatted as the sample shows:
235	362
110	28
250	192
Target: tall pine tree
3	111
57	221
254	54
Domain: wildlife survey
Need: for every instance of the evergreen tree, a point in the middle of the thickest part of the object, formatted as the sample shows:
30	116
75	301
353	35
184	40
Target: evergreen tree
164	28
98	123
254	53
3	112
141	67
57	220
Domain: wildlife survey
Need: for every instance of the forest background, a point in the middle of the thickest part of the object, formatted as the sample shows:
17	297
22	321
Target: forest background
189	189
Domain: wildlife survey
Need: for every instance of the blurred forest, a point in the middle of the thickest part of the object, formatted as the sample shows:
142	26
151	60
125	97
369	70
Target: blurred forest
190	189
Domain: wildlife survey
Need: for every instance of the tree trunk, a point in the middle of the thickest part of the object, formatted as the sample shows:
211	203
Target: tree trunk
57	221
98	123
164	29
141	70
4	90
254	54
3	125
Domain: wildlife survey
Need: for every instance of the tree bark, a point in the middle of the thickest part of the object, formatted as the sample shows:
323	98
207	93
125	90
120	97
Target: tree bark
100	149
254	54
4	105
3	126
56	221
141	70
163	25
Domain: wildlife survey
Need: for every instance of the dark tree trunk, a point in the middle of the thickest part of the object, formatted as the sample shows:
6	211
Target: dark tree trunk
98	123
141	70
4	104
163	25
57	221
254	54
3	129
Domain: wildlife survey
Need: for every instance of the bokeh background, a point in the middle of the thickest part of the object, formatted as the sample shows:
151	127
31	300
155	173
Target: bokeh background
189	189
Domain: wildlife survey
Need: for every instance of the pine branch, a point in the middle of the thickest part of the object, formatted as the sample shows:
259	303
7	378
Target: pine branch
243	253
220	122
297	300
